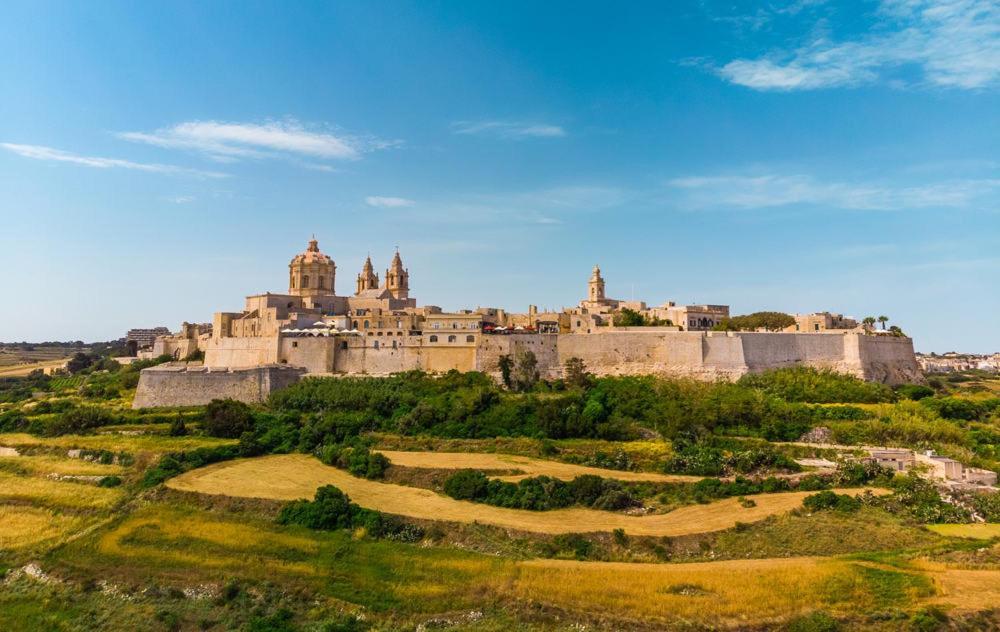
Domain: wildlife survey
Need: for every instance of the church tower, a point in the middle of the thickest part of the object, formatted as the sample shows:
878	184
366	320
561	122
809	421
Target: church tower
367	280
595	286
397	278
311	273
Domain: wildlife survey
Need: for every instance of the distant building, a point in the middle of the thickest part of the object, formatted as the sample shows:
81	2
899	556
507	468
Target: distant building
137	339
821	321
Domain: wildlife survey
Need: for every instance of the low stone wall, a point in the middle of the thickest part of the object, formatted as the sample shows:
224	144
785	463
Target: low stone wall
181	385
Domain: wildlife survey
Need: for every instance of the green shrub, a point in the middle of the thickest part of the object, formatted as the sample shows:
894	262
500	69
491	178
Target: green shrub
914	391
227	418
332	509
807	384
831	500
109	481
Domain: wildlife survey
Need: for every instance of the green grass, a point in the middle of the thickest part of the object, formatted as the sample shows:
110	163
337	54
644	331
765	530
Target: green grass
979	531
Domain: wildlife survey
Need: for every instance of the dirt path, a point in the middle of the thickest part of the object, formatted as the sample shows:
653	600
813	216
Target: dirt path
294	476
528	465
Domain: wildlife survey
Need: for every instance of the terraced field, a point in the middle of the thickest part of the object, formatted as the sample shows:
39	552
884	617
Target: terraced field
293	476
526	465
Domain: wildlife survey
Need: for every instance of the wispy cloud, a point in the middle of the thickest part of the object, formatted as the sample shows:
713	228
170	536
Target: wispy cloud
227	142
39	152
954	43
181	199
508	129
762	191
382	201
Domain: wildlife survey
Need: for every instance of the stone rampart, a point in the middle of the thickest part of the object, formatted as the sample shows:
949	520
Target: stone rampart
180	385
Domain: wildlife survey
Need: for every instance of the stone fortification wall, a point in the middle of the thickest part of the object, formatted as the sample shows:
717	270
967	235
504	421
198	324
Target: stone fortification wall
180	385
241	352
709	355
888	359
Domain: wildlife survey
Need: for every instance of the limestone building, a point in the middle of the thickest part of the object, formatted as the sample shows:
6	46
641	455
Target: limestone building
380	329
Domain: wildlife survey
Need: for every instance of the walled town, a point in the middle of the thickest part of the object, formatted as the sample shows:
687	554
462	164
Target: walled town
380	330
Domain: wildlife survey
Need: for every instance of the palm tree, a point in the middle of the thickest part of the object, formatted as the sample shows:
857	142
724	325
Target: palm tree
883	320
868	322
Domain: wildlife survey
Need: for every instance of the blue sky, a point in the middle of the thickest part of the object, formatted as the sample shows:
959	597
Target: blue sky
159	161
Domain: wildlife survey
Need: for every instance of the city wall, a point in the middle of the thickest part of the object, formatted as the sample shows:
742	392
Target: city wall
180	385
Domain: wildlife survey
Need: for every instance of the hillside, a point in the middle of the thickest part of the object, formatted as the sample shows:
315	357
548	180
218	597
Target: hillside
420	502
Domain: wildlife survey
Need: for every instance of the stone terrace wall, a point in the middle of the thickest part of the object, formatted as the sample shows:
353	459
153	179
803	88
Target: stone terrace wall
179	385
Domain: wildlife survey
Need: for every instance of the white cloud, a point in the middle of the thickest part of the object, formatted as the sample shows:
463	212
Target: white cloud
508	129
388	202
227	142
954	43
39	152
747	192
181	199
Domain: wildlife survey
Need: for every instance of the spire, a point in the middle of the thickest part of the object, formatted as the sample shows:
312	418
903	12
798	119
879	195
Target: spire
368	264
313	244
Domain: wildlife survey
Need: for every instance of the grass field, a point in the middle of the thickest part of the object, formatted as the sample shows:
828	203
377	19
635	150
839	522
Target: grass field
529	466
113	442
718	593
978	531
22	526
43	465
50	493
19	370
293	476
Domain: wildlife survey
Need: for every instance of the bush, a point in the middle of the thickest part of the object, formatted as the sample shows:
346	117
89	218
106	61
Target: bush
227	418
356	458
177	428
332	509
109	481
914	391
539	493
806	384
175	463
80	420
955	408
466	485
831	500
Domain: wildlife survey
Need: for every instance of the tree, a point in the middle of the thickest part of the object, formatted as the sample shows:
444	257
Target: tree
525	370
868	322
227	418
628	318
883	320
770	321
576	373
79	362
505	364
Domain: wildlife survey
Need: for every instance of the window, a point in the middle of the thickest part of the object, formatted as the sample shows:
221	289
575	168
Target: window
376	344
322	281
305	280
343	344
470	338
454	325
388	333
355	325
437	325
393	344
366	324
433	339
295	343
452	338
816	326
380	333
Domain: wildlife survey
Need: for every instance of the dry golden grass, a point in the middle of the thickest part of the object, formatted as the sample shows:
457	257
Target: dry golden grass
22	526
978	531
714	593
528	465
294	476
20	370
56	493
113	442
964	589
43	465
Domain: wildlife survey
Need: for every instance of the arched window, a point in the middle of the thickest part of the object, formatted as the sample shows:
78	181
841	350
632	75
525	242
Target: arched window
293	282
452	338
454	325
355	325
433	339
366	324
305	280
470	338
322	282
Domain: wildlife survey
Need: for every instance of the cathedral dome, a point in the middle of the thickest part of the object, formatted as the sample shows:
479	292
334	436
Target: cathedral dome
311	254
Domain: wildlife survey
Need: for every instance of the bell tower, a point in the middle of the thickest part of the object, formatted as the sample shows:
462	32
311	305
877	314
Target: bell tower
367	280
595	286
397	278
